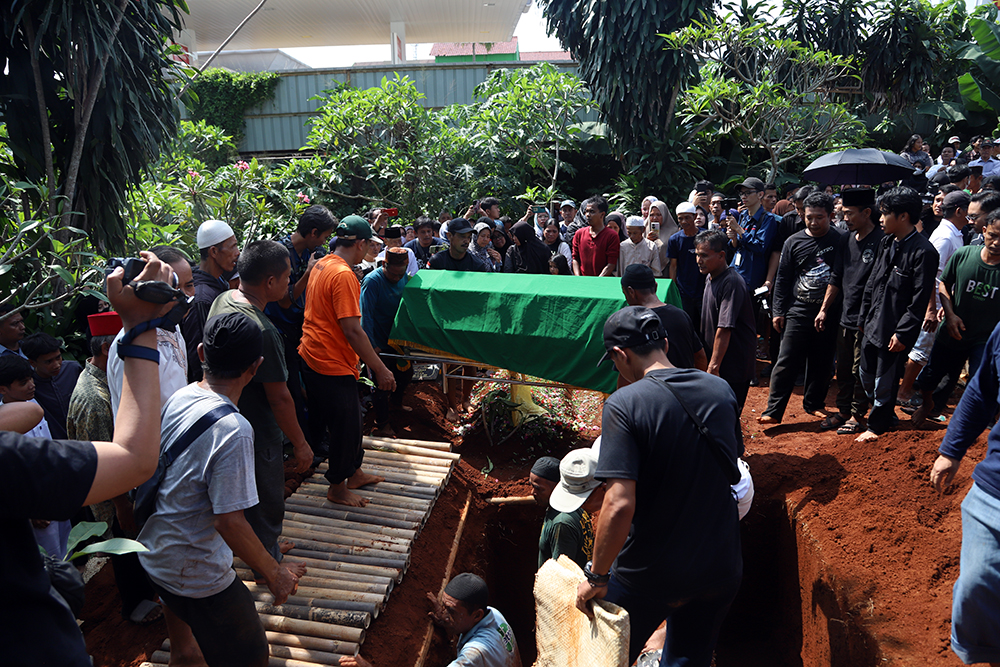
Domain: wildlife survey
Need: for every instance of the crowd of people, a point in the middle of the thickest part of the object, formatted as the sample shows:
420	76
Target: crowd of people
258	352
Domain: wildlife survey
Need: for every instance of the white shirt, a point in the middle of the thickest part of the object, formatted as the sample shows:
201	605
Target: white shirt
946	239
173	366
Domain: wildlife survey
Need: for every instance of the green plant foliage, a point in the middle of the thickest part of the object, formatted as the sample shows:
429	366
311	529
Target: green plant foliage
90	105
618	45
223	97
773	92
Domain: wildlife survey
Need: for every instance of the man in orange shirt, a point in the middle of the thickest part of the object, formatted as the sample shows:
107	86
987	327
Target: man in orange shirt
332	342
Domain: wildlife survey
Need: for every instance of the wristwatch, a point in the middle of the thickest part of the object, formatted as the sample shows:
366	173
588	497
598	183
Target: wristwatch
595	579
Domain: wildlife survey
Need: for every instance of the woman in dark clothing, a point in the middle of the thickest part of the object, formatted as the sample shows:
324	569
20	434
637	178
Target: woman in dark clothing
529	254
500	243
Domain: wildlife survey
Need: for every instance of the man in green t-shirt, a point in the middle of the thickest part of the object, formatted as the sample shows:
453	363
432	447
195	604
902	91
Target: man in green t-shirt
568	528
970	299
266	402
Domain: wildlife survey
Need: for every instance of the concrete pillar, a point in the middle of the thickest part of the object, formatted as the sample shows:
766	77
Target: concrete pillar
397	37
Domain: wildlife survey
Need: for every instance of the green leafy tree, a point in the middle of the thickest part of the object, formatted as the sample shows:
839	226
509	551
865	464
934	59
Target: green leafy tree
620	50
773	92
532	113
88	104
222	97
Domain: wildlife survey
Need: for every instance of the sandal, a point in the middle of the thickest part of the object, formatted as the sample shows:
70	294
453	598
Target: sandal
833	422
146	612
849	427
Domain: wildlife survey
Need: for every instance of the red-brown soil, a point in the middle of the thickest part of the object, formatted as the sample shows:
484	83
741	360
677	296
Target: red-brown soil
849	554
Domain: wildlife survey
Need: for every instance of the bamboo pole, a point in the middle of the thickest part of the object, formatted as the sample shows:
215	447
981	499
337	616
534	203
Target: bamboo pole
327	589
390	467
312	643
311	628
376	500
396	446
399	476
402	565
387	455
350	552
394	517
426	444
397	480
347	581
323	516
330	513
291	531
348	619
362	583
303	601
380	458
316	564
301	647
315	495
272	661
512	500
429	634
346	532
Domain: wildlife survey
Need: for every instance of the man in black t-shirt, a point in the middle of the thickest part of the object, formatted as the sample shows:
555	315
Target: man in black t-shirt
850	274
686	350
805	270
457	256
421	246
727	319
667	544
52	479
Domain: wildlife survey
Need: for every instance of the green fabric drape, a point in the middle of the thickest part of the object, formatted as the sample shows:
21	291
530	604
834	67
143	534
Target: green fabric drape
545	326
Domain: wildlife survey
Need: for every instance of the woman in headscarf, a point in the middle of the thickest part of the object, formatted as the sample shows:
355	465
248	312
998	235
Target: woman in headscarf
529	254
553	241
616	221
482	246
660	215
500	243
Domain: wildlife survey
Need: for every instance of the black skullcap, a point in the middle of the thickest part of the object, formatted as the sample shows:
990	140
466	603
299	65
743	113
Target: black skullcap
470	590
233	342
394	256
547	467
394	232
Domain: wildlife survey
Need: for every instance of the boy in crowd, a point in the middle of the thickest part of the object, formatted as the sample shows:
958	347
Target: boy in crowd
54	379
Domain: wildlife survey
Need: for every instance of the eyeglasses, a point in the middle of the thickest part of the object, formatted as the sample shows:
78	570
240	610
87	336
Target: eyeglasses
746	193
972	218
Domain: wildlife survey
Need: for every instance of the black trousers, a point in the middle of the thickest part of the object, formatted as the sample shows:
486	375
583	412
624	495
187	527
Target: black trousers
334	407
851	398
880	372
226	625
130	578
382	398
802	344
942	372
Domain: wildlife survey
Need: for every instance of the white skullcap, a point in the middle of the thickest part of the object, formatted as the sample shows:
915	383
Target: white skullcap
213	232
635	221
686	207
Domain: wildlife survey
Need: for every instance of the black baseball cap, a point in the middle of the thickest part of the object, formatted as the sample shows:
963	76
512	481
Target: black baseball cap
638	276
752	183
629	327
459	226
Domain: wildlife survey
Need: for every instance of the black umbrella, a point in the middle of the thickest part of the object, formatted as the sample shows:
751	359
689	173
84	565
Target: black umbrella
859	166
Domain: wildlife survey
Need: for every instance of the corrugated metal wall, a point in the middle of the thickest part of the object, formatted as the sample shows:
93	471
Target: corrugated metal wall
280	125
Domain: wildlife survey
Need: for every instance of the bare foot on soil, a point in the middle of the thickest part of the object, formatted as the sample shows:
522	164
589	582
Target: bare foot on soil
452	416
820	414
361	478
284	546
767	419
867	436
339	495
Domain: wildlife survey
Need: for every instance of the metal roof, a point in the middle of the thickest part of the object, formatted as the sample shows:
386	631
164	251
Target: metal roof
465	49
292	23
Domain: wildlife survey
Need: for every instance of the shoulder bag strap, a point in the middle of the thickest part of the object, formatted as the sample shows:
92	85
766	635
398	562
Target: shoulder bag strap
205	422
729	467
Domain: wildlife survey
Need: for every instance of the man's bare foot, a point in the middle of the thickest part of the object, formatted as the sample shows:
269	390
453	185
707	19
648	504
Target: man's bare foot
819	414
452	416
339	495
284	546
361	478
867	436
767	419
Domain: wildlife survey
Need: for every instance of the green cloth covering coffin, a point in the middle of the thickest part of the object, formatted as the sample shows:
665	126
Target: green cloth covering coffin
545	326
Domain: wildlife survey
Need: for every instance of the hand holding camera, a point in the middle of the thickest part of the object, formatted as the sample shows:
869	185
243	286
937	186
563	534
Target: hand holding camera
142	289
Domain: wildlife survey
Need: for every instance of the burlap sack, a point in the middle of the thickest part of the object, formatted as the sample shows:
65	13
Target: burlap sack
565	636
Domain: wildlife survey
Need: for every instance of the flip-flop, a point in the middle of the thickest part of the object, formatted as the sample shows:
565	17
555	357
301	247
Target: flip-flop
146	612
849	427
832	422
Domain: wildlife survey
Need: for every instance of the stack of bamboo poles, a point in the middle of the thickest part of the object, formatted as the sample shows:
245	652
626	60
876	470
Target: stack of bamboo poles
354	555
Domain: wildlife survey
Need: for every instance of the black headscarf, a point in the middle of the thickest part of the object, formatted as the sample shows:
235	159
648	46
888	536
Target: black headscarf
532	256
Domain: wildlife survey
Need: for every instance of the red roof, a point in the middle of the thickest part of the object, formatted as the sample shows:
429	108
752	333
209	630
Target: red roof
546	55
465	48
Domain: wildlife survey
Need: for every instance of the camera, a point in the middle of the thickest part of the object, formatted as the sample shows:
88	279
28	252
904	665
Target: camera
731	203
319	253
153	291
760	295
538	209
391	212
